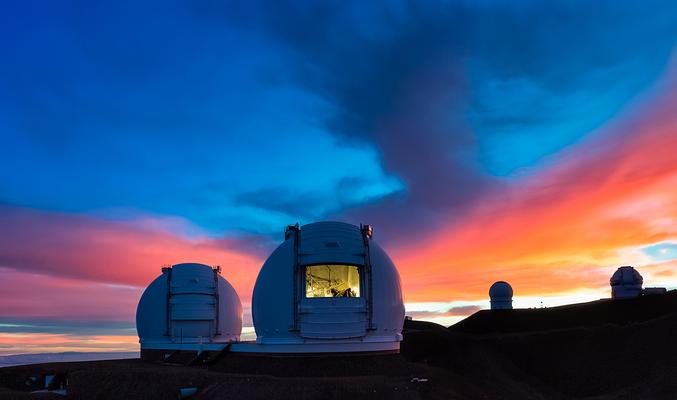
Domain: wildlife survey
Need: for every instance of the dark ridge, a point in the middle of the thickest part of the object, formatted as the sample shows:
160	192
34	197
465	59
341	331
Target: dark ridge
602	350
316	366
411	325
623	349
611	360
252	377
595	313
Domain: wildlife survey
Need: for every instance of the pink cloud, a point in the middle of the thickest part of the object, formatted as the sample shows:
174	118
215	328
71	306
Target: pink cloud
51	343
29	294
127	253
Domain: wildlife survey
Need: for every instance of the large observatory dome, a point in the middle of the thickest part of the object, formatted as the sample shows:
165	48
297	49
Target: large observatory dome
626	282
328	287
500	294
189	306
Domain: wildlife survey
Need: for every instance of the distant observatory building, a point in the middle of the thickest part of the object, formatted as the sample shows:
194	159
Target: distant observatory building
188	307
626	283
500	294
327	288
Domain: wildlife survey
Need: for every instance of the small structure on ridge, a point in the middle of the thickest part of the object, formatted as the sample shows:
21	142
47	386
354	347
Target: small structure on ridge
500	295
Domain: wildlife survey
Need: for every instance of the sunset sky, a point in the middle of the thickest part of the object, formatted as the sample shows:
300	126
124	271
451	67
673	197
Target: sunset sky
533	142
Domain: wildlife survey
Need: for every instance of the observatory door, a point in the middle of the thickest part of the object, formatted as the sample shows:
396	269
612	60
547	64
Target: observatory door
193	302
333	306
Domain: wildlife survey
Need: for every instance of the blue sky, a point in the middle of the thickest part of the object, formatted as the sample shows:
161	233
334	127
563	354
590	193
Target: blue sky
117	117
208	111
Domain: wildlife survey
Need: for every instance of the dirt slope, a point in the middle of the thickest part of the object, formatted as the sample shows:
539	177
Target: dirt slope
601	350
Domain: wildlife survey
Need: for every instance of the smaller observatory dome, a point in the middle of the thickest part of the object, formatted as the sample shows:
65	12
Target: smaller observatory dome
500	294
626	283
188	307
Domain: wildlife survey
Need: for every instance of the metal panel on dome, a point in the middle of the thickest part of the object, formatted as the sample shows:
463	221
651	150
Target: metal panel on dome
340	245
193	307
192	303
333	318
331	242
331	307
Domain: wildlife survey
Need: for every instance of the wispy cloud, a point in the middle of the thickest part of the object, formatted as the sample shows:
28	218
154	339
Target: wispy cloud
14	343
454	96
79	247
566	226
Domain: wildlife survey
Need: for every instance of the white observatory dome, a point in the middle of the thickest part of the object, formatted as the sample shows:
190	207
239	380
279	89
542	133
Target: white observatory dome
626	282
328	287
188	307
500	294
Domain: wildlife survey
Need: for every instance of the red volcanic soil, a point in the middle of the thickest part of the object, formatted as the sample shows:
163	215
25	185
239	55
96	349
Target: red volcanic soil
601	350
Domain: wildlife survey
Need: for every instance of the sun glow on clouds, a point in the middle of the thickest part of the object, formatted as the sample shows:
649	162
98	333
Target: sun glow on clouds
556	235
30	294
68	246
566	227
56	268
16	343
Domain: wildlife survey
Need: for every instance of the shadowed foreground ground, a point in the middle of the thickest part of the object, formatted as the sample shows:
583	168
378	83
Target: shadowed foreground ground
599	350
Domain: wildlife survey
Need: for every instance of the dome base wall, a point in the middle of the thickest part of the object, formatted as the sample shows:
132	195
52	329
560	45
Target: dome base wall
317	348
159	351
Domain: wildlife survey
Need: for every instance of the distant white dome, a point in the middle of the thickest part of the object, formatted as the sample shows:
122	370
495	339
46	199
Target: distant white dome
626	282
188	304
500	294
328	287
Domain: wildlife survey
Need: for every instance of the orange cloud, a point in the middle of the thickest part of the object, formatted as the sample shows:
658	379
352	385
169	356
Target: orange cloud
564	228
11	343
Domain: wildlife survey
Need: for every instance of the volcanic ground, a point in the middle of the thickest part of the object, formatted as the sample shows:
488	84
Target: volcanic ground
622	349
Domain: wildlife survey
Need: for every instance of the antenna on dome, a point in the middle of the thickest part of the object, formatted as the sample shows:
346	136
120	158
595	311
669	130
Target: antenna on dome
290	230
367	231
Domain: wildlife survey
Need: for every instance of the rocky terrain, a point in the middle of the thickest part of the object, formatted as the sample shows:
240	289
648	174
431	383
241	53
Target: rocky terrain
601	350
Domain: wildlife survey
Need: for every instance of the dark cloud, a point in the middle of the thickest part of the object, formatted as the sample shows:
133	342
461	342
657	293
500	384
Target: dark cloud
283	200
117	105
308	206
197	109
403	91
399	77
